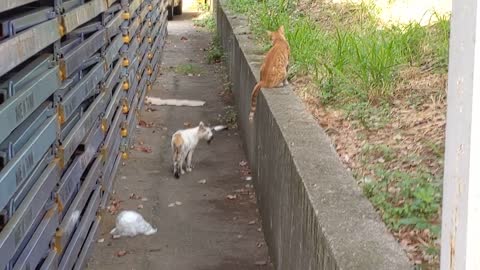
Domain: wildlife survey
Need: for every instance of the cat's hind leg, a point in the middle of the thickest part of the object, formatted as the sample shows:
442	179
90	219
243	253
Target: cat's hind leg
189	161
181	161
176	169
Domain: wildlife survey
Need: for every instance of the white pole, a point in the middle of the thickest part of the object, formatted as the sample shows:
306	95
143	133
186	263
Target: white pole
461	189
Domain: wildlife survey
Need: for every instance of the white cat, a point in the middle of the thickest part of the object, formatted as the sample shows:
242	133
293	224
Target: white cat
184	142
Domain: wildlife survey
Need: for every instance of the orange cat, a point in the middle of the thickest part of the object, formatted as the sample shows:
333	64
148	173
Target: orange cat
273	72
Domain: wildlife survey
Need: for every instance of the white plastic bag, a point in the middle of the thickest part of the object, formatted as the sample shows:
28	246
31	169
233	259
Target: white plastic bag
131	223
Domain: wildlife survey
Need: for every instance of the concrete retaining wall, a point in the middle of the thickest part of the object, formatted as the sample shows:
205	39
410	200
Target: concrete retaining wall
314	214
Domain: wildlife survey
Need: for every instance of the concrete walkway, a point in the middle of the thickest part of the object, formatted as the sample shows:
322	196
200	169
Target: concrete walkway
207	231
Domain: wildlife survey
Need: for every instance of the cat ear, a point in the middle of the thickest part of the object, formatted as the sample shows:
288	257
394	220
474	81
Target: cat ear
201	125
281	29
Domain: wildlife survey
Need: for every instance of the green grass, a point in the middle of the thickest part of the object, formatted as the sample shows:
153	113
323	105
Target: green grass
188	69
353	64
205	20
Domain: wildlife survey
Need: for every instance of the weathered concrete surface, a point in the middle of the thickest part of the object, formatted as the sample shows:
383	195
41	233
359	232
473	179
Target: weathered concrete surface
314	214
208	231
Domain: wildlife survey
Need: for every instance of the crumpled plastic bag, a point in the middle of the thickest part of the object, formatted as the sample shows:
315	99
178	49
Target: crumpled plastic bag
131	223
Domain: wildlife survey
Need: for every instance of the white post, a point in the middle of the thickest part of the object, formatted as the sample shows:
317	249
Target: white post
461	190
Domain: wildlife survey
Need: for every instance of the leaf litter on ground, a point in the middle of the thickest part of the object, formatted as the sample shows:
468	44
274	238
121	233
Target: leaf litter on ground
144	148
134	196
121	253
114	206
144	124
231	197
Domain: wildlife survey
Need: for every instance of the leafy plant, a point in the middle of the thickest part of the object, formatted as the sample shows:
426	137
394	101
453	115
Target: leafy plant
215	52
406	199
230	117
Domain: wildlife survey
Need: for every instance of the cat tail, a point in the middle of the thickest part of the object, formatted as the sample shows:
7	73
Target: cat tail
253	105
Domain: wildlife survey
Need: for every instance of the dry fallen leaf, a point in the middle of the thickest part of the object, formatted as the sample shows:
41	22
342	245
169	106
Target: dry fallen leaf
144	199
171	205
145	149
178	203
231	197
114	206
144	124
121	253
134	196
203	181
101	240
252	222
183	38
243	163
140	206
248	178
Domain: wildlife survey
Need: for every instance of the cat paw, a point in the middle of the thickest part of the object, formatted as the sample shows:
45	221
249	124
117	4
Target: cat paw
189	169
